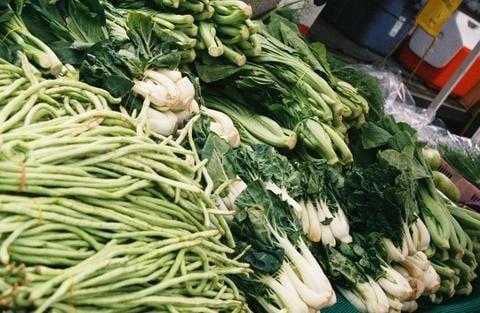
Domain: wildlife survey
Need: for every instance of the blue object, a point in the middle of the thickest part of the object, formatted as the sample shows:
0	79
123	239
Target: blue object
376	24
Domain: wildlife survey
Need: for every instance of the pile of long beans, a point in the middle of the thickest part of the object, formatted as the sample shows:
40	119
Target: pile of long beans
98	214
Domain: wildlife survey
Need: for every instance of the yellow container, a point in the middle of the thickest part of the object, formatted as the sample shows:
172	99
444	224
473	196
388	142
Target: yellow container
435	13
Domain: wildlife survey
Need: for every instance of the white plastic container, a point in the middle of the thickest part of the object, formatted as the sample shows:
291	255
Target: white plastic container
459	32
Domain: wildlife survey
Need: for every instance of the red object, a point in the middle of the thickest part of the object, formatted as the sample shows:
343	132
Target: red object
438	77
303	29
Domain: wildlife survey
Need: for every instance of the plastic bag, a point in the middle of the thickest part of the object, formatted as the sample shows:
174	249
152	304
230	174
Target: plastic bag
400	103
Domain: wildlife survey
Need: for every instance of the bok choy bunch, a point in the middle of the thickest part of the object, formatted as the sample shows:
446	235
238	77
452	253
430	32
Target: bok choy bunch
287	275
450	250
355	107
230	32
17	36
281	86
323	217
169	97
267	231
254	128
352	281
214	28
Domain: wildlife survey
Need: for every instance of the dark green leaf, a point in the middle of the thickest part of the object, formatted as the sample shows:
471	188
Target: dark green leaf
140	29
374	136
212	73
66	53
215	150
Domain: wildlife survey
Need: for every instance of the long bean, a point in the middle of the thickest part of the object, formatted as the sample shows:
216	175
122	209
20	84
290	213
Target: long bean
97	217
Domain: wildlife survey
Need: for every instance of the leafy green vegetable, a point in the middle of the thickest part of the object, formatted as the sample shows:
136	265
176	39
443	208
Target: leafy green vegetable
367	85
466	160
104	66
78	22
374	136
379	199
265	163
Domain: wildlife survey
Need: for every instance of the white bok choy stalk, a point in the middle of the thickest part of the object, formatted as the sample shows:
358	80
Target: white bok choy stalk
183	115
268	305
410	306
310	215
163	123
416	284
327	235
309	229
167	89
354	299
393	283
157	93
235	189
305	273
407	238
283	194
423	234
174	76
419	267
286	294
396	305
186	93
382	299
432	280
223	126
338	221
311	259
172	92
394	254
320	184
366	299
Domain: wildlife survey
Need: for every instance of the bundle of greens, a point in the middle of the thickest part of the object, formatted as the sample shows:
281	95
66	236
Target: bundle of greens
381	204
290	278
16	36
213	27
153	33
396	145
292	93
254	128
77	32
352	281
368	86
315	55
310	189
99	213
261	86
323	217
120	50
266	229
466	160
229	32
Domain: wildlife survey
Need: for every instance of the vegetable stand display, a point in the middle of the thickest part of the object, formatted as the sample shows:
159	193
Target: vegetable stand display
180	156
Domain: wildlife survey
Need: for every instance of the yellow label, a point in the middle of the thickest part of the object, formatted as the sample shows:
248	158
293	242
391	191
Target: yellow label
435	13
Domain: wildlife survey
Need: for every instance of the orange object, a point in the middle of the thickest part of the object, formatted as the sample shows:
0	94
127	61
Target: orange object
438	77
434	14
